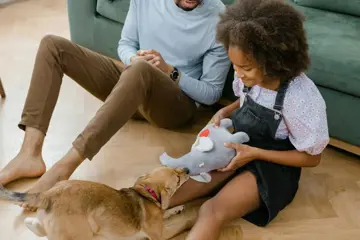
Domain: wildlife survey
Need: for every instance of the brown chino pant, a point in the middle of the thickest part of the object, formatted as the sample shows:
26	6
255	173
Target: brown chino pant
140	88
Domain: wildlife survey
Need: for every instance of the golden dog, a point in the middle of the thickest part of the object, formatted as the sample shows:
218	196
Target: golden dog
85	210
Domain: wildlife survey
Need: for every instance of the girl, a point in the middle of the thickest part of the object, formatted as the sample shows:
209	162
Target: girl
279	107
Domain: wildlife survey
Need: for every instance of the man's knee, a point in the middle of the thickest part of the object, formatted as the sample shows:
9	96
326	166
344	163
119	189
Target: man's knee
141	72
141	66
212	209
51	43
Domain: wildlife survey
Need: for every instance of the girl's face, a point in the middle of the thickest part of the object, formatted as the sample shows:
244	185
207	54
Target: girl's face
247	69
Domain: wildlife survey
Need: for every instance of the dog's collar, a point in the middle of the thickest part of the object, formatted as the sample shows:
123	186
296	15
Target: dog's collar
152	192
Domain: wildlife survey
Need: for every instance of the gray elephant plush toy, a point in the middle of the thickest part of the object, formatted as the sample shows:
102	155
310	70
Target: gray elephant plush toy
208	153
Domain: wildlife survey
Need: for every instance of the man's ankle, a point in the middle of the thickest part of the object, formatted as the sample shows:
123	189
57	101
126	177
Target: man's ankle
33	142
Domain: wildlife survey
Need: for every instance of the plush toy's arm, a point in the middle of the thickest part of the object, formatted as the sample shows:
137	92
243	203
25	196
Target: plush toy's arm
202	177
239	137
226	123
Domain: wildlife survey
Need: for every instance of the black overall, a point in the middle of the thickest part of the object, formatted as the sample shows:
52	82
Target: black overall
277	184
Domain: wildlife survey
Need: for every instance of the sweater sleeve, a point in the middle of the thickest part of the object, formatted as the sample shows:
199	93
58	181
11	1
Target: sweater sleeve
129	41
208	89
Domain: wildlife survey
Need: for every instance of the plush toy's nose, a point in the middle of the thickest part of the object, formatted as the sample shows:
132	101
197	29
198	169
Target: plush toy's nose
186	170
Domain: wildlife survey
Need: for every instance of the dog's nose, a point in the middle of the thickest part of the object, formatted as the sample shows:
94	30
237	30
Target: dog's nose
186	170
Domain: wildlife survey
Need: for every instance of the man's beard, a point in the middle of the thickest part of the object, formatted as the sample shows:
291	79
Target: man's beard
178	3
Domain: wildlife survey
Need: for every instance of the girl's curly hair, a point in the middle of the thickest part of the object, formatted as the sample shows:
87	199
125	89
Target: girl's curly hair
268	30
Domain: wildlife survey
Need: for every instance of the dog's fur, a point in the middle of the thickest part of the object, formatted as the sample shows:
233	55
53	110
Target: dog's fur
86	210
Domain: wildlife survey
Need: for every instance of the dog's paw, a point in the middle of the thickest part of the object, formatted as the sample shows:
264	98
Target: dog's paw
174	211
179	209
35	226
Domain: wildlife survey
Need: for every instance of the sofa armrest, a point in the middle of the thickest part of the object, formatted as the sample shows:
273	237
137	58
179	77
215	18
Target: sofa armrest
82	14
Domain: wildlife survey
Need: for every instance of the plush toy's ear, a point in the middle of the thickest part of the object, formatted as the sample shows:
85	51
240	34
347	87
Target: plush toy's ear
203	177
166	159
203	144
226	123
239	137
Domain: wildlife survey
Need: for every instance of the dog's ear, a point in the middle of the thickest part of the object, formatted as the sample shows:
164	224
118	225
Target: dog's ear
165	198
166	194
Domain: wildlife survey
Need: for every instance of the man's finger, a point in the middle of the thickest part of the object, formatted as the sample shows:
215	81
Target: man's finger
147	57
146	52
155	52
157	58
152	61
140	53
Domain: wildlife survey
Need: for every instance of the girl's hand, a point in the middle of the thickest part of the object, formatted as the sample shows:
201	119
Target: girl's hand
221	114
225	112
244	155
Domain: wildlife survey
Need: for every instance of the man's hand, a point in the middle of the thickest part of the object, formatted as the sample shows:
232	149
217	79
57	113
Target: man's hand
145	58
244	155
156	60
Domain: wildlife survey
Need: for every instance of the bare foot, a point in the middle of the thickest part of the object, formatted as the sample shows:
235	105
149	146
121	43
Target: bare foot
62	170
22	166
57	173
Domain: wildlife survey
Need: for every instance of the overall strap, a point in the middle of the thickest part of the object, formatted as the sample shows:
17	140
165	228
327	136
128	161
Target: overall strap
279	101
246	90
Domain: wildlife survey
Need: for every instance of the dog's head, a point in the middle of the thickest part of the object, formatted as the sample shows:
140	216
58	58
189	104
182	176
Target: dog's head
160	184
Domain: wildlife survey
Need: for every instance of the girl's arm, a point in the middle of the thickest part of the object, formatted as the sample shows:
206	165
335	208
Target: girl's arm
246	154
230	108
292	158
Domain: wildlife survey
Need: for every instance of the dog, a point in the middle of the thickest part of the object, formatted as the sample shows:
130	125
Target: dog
85	210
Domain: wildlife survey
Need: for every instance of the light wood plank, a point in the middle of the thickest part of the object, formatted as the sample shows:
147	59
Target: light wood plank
345	146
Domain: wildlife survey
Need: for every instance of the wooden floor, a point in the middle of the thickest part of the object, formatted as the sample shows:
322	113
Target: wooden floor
327	205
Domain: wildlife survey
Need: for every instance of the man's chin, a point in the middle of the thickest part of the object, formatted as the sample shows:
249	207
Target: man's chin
188	6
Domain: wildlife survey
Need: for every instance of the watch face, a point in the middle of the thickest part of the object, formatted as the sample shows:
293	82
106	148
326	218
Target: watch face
175	75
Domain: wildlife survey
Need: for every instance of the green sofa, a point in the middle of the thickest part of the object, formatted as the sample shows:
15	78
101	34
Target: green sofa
333	29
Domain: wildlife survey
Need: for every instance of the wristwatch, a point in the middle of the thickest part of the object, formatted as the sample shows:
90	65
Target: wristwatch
174	75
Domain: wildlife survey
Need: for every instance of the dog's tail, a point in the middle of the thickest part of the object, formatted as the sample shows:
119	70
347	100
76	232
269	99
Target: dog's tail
37	200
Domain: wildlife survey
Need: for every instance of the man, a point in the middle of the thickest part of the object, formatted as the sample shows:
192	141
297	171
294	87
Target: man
172	63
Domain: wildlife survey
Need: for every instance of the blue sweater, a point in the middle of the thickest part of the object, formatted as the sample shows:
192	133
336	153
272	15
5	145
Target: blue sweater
186	40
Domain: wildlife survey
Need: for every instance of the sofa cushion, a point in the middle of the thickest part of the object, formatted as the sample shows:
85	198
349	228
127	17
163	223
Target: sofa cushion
343	114
351	7
228	2
115	10
334	42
